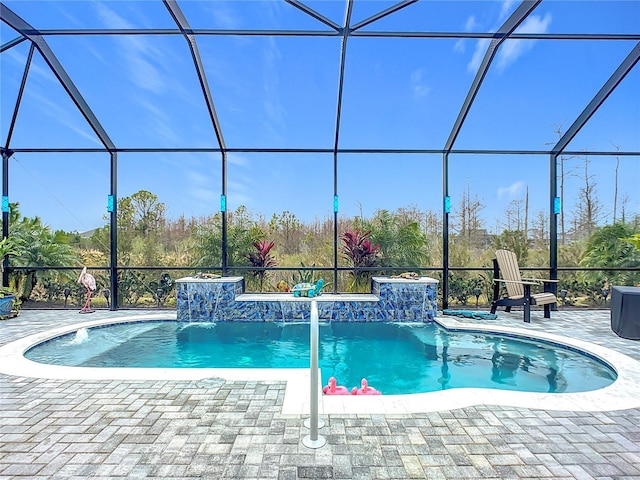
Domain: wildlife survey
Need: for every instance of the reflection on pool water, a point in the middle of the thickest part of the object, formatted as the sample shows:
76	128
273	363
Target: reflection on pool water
396	358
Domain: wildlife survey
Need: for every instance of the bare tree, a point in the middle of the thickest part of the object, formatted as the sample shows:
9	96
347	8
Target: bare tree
615	187
410	214
562	159
588	209
467	221
526	212
540	228
517	215
623	209
432	224
514	216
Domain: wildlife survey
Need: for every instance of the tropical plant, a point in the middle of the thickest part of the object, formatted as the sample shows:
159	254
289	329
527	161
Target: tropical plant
208	243
401	243
633	240
458	288
162	288
37	246
132	286
7	247
52	289
242	232
361	253
606	248
304	275
462	289
262	259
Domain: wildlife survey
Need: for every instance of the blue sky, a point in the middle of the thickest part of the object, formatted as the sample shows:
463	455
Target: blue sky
281	92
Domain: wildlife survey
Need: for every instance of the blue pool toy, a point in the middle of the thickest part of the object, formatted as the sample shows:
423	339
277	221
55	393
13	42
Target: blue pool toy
308	289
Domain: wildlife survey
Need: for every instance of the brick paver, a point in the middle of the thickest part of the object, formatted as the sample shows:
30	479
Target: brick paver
198	430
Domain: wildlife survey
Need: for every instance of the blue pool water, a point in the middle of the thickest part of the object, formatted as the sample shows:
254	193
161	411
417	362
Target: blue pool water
396	358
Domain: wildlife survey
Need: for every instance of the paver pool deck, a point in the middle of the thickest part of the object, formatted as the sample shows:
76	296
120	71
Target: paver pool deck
193	429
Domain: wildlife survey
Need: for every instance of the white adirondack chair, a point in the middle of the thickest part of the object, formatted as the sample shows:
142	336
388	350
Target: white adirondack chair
506	271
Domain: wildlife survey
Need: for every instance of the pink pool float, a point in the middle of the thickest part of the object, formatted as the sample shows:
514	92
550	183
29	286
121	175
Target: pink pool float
333	389
365	389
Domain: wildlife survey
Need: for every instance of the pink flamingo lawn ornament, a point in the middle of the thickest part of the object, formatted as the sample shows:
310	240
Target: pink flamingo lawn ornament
87	280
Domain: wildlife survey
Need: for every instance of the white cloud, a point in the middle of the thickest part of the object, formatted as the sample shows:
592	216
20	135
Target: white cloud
512	190
471	24
223	16
236	159
275	9
506	9
237	193
271	103
205	195
62	114
139	54
55	106
419	86
535	24
34	69
197	177
144	74
159	124
511	50
241	189
201	177
478	54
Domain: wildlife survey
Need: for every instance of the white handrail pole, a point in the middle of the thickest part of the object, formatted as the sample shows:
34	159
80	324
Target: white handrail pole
313	440
314	370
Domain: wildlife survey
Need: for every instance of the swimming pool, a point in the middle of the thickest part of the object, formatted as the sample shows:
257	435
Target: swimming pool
396	358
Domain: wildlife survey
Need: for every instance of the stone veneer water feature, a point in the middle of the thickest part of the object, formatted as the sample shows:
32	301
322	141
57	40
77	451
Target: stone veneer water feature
223	299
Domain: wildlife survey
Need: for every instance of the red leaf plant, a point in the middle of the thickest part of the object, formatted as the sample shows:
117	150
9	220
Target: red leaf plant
358	249
261	258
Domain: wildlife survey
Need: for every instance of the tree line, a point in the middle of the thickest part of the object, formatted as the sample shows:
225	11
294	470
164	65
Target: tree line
404	239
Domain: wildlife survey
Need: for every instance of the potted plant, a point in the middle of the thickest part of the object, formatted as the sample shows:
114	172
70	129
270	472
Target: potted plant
9	303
